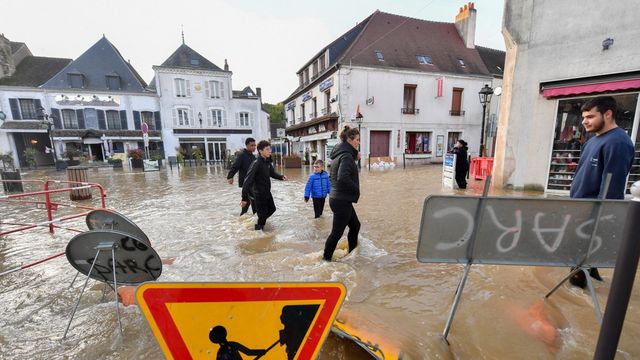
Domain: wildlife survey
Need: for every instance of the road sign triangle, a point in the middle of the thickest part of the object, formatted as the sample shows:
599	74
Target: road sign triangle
223	320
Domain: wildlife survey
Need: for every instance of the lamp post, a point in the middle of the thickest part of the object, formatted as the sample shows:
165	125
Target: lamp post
358	121
48	120
485	98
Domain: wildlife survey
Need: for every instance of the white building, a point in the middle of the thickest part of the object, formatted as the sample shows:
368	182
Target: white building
200	109
415	82
559	54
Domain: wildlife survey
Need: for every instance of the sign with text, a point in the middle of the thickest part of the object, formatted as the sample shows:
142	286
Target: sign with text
324	85
521	231
224	320
449	171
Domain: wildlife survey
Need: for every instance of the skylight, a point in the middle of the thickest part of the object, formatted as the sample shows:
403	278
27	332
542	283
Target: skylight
461	62
424	60
379	55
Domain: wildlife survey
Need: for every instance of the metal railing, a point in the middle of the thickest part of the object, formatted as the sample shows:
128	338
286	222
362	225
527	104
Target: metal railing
410	111
456	112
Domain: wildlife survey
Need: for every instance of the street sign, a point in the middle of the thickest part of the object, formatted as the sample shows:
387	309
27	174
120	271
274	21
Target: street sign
260	320
449	171
280	132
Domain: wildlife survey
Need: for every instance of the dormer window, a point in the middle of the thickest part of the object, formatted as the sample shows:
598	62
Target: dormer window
113	82
461	63
76	80
424	60
379	55
195	61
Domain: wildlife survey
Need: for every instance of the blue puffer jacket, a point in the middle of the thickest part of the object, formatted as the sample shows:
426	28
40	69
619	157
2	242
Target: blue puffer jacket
318	185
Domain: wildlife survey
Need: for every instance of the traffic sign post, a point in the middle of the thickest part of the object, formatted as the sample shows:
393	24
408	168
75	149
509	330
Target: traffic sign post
264	320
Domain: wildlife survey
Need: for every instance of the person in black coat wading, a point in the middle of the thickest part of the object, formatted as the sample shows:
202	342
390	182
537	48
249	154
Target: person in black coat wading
462	163
241	166
258	183
344	192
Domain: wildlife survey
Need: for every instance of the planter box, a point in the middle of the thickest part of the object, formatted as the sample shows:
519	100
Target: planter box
137	163
292	162
73	163
117	165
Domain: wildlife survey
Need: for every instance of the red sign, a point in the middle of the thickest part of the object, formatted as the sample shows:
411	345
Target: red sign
269	320
145	128
439	86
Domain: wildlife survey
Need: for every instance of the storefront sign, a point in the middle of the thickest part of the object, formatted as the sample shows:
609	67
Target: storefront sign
291	105
371	100
326	84
306	96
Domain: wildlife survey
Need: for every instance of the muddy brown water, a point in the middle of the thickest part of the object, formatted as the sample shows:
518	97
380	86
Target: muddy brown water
192	215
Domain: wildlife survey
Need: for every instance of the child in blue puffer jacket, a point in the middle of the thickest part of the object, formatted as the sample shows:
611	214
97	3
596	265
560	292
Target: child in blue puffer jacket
318	186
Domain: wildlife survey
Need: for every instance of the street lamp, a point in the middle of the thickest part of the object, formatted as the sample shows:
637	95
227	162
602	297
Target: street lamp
485	98
48	120
358	121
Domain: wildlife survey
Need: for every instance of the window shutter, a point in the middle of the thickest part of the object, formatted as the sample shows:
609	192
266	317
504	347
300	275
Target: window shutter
188	82
224	118
57	122
251	119
210	117
175	117
123	120
237	119
38	104
102	124
158	120
80	115
207	92
221	89
15	109
136	120
176	87
189	121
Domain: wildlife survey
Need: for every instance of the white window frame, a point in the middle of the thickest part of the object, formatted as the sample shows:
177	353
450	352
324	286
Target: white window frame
26	110
216	117
72	121
182	116
248	118
182	87
117	124
150	117
215	89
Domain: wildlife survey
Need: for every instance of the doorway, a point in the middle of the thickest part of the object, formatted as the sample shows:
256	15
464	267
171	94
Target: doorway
379	143
217	151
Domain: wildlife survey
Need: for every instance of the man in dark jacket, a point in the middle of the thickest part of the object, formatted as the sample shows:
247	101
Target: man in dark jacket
345	191
241	166
462	163
258	183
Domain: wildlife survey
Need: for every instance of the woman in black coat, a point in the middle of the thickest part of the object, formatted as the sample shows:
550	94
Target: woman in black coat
462	163
345	191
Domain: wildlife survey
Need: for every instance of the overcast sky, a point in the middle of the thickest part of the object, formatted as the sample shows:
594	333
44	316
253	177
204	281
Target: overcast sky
265	42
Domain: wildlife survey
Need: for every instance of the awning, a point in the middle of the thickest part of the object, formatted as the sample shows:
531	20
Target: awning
593	88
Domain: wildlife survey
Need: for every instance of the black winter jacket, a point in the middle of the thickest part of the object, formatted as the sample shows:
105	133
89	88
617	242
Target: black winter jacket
258	180
242	163
462	163
345	179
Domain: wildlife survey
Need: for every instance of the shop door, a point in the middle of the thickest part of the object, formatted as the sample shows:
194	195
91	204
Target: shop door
379	146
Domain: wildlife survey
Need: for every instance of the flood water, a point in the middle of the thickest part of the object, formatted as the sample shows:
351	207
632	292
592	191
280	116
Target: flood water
192	215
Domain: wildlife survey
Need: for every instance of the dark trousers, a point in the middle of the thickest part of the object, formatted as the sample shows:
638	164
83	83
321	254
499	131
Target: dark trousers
266	207
252	203
343	215
318	206
461	179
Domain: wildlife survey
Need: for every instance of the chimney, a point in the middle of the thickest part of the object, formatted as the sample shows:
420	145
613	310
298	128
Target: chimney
466	24
226	66
259	92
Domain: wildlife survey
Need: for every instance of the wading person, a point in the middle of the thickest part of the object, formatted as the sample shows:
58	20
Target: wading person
241	166
258	183
462	163
345	191
610	151
318	186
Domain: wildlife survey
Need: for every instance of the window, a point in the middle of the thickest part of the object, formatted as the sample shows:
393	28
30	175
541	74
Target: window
28	109
301	79
418	143
215	89
321	61
195	62
76	81
409	101
182	116
315	69
147	117
182	87
69	119
314	108
216	118
379	55
302	114
424	60
461	63
293	115
327	102
243	119
113	82
306	76
113	120
452	139
456	102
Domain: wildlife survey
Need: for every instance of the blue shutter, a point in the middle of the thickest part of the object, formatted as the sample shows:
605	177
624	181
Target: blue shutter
102	123
136	120
39	113
123	120
156	116
80	115
15	109
57	120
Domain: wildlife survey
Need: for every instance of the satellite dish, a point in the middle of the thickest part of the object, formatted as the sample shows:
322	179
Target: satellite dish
101	219
497	91
135	261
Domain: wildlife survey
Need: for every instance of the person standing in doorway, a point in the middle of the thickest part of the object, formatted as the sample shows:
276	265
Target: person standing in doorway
610	151
318	187
345	191
241	166
258	183
462	163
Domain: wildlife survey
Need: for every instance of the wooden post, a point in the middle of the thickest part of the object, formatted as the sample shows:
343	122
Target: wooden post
79	174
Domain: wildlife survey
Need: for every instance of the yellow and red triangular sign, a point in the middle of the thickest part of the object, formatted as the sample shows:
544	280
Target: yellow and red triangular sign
258	320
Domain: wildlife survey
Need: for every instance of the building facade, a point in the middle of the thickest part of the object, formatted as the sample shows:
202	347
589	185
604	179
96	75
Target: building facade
556	60
200	109
414	82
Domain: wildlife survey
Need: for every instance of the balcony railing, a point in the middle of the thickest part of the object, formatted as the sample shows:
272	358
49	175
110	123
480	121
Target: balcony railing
410	111
456	112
